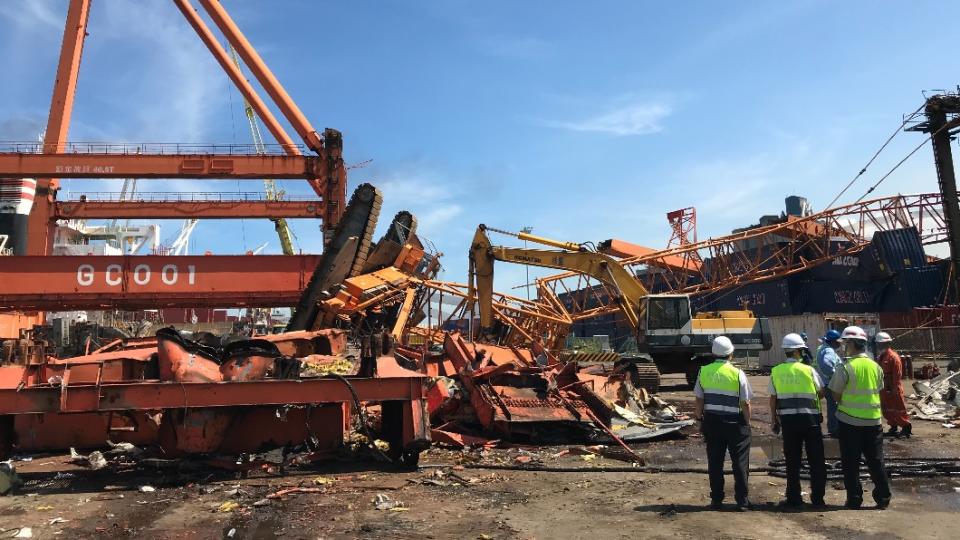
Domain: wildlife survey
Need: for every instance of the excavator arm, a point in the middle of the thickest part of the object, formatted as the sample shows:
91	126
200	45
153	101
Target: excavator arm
571	256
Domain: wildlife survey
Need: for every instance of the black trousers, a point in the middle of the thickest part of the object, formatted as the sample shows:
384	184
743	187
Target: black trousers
722	437
796	436
866	441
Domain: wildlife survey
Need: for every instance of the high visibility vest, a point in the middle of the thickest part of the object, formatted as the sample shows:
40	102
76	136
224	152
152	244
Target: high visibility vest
720	382
796	390
861	397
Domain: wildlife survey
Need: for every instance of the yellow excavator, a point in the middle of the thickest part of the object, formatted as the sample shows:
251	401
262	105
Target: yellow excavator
667	332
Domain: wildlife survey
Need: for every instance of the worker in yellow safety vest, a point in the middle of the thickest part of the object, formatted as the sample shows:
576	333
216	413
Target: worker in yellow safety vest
856	385
795	392
723	395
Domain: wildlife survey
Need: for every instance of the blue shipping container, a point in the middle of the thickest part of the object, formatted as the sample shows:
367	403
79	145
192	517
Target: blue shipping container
845	267
765	299
839	296
900	248
915	287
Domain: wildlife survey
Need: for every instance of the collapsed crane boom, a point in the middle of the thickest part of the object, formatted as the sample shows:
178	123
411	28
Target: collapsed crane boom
778	250
664	326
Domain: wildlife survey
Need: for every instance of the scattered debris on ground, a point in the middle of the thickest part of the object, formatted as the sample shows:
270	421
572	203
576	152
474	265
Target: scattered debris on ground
939	398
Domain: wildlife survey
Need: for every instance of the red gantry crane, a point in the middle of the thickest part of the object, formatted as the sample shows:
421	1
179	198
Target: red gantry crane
43	282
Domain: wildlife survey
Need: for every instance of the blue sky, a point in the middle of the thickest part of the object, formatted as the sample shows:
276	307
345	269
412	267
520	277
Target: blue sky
583	120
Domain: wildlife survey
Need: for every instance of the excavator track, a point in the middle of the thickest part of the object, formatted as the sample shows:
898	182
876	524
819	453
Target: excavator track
403	226
358	222
366	239
644	373
647	377
384	253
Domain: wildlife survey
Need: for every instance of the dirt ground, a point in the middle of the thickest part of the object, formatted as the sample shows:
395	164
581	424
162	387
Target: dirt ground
450	498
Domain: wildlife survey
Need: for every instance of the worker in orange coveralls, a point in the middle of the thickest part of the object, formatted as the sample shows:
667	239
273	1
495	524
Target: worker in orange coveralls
891	397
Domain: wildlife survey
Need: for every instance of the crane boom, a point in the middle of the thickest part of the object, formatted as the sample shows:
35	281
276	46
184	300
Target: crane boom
603	267
663	324
269	185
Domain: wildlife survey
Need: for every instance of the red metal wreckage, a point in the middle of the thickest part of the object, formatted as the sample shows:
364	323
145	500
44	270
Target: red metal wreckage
349	346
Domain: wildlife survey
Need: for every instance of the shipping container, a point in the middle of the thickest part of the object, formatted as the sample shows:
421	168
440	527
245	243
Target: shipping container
815	325
844	267
872	264
915	287
900	248
765	299
461	325
917	317
841	296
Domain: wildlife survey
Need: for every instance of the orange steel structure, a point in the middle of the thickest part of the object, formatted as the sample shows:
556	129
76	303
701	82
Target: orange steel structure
218	209
152	281
323	168
541	324
107	165
761	253
683	224
101	389
626	250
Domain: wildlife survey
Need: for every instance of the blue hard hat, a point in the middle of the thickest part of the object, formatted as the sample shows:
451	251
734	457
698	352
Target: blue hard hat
803	335
832	335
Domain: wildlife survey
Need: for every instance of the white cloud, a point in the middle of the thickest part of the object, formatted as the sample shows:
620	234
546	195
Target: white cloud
634	119
180	97
33	14
434	218
407	186
420	190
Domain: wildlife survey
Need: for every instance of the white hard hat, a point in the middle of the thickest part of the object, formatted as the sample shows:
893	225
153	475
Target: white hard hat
883	337
722	346
854	332
793	341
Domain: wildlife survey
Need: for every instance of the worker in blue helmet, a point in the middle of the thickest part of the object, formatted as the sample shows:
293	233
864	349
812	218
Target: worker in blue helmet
827	362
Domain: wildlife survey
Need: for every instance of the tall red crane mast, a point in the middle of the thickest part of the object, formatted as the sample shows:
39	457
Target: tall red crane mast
318	160
55	158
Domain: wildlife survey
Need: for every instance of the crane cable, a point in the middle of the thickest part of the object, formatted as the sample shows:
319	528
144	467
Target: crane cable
901	162
875	155
871	189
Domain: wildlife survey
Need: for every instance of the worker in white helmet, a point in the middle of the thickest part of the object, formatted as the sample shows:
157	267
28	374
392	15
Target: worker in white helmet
723	407
795	392
856	385
892	403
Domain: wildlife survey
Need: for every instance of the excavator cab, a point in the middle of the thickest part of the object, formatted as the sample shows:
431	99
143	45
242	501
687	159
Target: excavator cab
666	322
667	311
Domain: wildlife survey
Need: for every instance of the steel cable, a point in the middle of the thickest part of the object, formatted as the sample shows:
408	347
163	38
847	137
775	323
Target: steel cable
875	155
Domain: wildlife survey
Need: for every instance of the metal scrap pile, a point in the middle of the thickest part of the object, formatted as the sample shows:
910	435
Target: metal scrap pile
172	357
480	392
361	317
939	399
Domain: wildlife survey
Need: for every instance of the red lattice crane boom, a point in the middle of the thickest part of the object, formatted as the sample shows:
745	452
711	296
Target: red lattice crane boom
761	253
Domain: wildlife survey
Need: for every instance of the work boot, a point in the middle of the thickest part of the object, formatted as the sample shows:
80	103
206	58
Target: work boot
818	504
853	505
745	506
716	505
892	432
907	431
882	504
